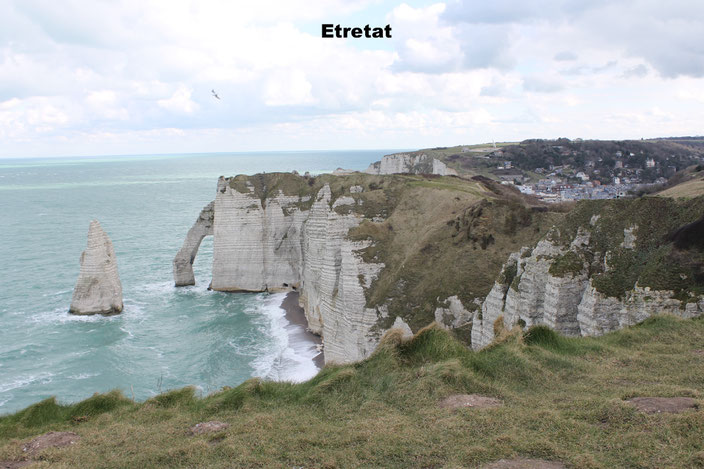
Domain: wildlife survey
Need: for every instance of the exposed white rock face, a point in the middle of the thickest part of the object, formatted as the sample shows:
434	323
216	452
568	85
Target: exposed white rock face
562	298
483	320
454	315
257	244
283	242
98	289
629	238
403	163
332	294
569	303
183	262
400	324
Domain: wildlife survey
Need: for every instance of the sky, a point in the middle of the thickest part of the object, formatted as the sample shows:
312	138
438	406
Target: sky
102	77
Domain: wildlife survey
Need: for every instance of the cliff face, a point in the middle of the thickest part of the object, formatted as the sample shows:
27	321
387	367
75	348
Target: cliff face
183	262
367	253
333	280
405	163
610	265
277	242
257	242
98	289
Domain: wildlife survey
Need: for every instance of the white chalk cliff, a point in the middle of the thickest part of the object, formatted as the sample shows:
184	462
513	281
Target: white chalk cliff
568	302
284	242
98	289
405	163
183	262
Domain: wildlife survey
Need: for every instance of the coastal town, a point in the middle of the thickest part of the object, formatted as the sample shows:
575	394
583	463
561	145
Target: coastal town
586	173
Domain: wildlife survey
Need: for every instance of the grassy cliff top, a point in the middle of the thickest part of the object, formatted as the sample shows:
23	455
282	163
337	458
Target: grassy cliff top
564	400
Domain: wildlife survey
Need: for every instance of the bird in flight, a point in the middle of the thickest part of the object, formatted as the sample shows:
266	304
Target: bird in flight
215	94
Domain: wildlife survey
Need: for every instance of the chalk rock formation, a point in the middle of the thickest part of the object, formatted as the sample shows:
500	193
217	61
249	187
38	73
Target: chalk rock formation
282	242
454	315
552	286
333	280
183	262
257	243
403	163
98	289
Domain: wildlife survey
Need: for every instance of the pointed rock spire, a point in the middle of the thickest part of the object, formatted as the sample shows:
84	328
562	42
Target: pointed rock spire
98	289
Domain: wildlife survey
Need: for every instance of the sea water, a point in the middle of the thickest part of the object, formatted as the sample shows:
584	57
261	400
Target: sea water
166	337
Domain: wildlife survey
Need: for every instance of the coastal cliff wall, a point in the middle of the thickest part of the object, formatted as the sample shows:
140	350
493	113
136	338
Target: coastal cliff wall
600	273
406	163
276	242
257	242
366	252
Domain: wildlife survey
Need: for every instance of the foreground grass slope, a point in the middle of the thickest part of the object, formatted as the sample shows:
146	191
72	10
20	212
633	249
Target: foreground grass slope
564	399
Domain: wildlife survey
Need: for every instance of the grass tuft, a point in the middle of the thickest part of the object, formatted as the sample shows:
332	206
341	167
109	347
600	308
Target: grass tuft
174	398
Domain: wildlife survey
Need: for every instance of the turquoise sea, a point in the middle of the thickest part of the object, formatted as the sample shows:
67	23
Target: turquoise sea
166	337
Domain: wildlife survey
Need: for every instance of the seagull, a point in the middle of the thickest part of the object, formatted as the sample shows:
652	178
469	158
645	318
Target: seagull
215	94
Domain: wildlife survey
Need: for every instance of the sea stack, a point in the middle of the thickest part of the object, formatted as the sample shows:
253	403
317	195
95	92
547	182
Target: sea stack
98	289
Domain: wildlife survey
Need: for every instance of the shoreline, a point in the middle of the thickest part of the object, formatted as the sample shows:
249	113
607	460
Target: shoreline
296	316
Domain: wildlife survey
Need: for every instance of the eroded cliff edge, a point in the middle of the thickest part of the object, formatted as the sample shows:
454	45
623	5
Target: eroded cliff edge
608	265
366	252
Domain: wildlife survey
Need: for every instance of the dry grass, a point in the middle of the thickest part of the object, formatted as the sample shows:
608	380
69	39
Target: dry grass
688	189
564	400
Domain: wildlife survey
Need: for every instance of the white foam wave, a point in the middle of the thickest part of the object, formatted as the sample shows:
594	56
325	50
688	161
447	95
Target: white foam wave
61	315
58	293
83	375
23	381
290	355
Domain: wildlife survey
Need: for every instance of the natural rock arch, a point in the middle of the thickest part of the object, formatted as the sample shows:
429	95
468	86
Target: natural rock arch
183	262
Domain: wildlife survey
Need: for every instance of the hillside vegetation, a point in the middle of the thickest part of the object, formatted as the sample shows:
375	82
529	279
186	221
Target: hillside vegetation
658	258
563	400
691	186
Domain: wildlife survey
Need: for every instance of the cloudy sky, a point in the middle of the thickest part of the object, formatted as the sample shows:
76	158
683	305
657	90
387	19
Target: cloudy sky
95	77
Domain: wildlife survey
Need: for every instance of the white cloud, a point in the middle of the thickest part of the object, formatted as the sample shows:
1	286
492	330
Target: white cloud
179	101
137	75
288	88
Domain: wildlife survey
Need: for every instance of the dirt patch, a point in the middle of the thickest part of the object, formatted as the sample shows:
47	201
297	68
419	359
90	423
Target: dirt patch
50	440
656	405
524	464
458	401
14	464
699	352
208	427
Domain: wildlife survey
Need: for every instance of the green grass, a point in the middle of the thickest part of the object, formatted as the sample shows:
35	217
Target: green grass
564	400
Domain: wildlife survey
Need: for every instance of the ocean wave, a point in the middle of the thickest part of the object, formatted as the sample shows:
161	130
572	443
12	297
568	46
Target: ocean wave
58	293
61	315
43	378
83	375
291	354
